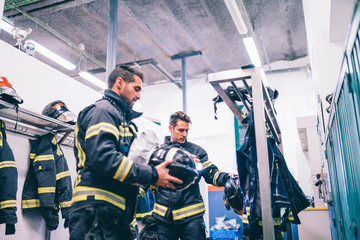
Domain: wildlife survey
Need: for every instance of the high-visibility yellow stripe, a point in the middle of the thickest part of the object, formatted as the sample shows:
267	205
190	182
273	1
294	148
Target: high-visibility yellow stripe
142	215
216	176
125	132
103	126
159	209
5	164
123	169
133	128
65	204
81	154
58	151
46	190
53	141
32	155
142	192
188	211
44	157
7	204
207	164
31	203
62	175
81	193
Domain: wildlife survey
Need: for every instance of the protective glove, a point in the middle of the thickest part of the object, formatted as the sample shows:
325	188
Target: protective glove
51	217
66	223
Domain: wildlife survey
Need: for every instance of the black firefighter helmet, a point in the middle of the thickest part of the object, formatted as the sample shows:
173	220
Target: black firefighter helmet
233	195
58	110
183	165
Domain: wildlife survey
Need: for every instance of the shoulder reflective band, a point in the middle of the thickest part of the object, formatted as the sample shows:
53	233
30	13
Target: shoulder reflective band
188	211
103	126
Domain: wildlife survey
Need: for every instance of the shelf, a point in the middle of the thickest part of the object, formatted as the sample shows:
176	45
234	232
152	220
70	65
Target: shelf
219	79
31	124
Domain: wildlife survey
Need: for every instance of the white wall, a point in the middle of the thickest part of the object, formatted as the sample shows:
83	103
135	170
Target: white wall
296	99
38	84
322	19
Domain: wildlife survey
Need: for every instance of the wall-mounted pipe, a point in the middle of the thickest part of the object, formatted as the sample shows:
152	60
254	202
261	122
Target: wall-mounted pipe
59	36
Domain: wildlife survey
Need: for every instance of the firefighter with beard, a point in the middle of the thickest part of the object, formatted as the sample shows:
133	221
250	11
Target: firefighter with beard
106	186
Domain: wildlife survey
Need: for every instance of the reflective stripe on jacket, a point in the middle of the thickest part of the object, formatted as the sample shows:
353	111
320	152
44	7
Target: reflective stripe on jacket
48	181
103	135
182	206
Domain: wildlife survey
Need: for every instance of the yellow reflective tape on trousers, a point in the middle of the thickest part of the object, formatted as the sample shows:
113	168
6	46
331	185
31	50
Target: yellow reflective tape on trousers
81	193
65	204
62	175
207	164
32	155
215	178
123	169
103	126
46	190
7	204
142	215
159	209
81	154
5	164
31	203
44	157
188	211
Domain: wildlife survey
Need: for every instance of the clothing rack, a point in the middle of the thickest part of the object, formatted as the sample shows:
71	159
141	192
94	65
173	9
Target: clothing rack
27	123
264	117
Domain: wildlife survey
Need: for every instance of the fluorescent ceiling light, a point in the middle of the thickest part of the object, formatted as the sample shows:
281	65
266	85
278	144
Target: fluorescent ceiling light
94	80
252	51
235	13
6	26
53	56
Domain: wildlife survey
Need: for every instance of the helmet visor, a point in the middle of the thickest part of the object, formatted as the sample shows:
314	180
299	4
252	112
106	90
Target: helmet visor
67	117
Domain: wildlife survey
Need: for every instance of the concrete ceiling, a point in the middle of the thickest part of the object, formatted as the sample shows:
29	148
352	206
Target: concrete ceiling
158	30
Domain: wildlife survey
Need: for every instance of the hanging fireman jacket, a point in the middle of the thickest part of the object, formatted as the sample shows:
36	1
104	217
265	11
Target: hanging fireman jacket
8	183
285	192
47	185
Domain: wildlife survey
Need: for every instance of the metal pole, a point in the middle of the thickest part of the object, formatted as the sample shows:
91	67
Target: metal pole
262	156
111	46
183	79
182	56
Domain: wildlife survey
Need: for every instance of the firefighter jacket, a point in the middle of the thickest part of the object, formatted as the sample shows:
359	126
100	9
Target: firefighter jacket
48	182
181	206
103	135
287	198
8	183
